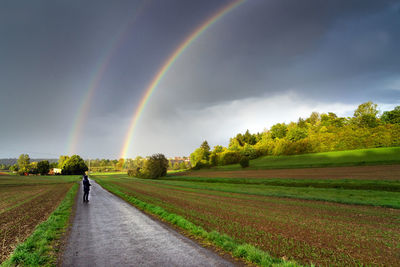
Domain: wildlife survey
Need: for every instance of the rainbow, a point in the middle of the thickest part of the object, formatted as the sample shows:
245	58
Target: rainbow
166	66
102	65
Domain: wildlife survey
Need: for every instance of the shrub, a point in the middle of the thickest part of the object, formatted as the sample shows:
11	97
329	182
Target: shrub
244	162
230	157
200	165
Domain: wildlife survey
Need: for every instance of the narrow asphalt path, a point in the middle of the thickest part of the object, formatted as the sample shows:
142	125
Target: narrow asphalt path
107	231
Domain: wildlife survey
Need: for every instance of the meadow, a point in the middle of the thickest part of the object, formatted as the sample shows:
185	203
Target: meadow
324	222
25	202
371	156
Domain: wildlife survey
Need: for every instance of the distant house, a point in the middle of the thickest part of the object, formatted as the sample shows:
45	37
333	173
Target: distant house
54	171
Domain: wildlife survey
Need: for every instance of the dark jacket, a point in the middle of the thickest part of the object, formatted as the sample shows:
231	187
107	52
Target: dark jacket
86	184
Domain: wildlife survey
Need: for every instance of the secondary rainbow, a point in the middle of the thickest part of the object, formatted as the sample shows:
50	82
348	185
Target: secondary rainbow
166	66
103	63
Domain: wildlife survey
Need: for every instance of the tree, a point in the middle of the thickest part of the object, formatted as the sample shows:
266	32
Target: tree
74	165
176	165
62	160
392	116
182	165
120	164
14	168
278	130
314	118
43	167
296	134
205	146
365	114
201	155
33	168
23	163
156	166
249	138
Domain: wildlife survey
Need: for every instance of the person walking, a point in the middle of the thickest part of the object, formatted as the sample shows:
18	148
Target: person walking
86	188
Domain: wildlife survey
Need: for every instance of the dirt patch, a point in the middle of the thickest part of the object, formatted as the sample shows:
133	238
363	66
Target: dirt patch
382	172
18	223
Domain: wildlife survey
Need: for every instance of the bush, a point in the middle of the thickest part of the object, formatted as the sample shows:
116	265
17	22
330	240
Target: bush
230	157
133	172
200	165
244	162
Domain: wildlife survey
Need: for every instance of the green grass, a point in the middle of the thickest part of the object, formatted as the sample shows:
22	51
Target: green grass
372	156
245	251
38	249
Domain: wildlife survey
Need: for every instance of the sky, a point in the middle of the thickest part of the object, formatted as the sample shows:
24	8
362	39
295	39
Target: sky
73	73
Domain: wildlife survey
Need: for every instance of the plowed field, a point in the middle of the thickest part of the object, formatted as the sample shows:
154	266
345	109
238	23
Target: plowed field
307	231
24	206
382	172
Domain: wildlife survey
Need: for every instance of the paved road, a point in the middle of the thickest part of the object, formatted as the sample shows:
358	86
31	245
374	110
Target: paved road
109	232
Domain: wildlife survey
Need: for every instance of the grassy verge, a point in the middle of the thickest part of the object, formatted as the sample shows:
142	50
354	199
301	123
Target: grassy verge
38	249
360	157
245	251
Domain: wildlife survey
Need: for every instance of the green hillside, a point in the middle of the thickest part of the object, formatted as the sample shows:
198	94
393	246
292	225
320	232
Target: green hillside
372	156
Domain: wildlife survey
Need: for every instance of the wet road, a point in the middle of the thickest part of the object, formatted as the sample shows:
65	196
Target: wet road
109	232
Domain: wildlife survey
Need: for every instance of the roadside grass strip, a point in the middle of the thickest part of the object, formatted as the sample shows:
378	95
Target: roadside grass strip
244	251
38	248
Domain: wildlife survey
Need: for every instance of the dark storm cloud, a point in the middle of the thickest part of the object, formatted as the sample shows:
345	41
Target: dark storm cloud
268	47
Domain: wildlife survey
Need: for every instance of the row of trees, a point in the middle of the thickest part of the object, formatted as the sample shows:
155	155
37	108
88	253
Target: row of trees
68	165
25	166
317	133
107	165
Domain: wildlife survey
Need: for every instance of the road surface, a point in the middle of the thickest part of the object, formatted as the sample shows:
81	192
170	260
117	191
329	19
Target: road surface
107	231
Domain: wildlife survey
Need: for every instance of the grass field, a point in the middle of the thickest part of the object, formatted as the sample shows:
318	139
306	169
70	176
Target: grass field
372	156
285	219
26	201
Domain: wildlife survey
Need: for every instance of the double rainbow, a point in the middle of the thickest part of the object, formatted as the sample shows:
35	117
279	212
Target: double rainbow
97	76
166	66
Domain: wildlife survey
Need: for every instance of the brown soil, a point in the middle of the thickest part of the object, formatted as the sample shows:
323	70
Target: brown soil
18	223
382	172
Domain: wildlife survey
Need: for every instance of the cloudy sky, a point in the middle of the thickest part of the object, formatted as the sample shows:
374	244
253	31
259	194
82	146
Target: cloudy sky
265	61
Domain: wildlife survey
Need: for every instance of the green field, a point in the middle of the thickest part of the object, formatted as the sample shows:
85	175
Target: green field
372	156
309	221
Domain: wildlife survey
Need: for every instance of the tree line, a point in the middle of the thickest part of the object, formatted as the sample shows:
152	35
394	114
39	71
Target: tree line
68	165
318	133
